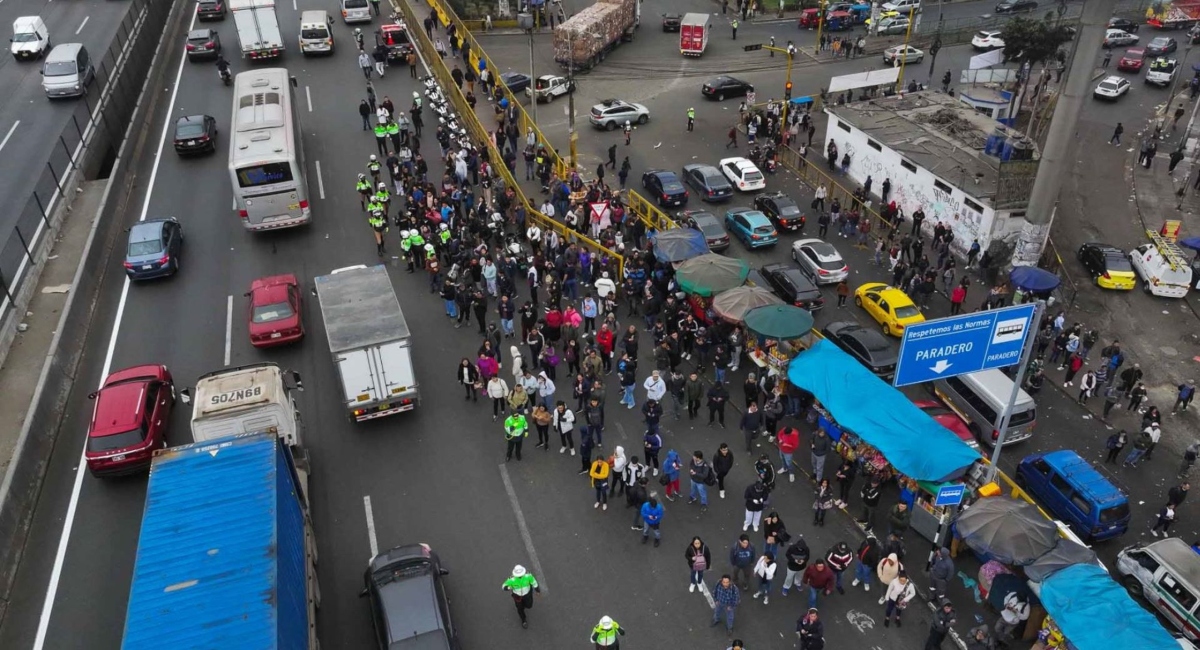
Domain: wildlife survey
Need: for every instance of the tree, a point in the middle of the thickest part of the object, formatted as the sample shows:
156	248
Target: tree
1027	40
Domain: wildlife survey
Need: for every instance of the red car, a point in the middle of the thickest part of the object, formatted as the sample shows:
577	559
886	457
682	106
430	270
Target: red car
948	419
130	420
1132	60
275	311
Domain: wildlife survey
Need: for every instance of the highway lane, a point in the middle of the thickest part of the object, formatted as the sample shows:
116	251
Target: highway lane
34	121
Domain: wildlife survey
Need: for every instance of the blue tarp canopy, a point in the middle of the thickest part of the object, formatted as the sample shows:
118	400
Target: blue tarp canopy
1096	613
914	443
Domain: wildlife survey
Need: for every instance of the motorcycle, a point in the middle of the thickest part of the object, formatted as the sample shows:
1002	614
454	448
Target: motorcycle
225	75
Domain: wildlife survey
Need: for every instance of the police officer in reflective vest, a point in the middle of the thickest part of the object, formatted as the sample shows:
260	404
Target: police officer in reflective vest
379	224
374	167
521	585
384	198
516	429
364	190
691	118
417	242
393	131
604	635
381	133
406	248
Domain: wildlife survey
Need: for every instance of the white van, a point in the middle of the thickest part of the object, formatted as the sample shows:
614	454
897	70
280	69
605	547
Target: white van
1167	275
1165	575
981	397
356	11
316	37
30	40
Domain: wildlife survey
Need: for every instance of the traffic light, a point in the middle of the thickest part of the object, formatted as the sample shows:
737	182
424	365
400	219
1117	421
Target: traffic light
751	48
787	91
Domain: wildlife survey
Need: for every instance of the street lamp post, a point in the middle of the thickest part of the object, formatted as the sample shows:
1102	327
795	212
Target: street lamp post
570	96
525	22
820	26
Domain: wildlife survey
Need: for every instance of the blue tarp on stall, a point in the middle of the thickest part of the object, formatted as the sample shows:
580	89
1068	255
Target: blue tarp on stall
1096	613
914	443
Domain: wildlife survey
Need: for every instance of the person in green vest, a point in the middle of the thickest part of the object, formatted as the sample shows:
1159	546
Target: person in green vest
373	166
393	131
384	198
417	242
521	586
516	429
605	634
379	225
691	119
363	187
381	134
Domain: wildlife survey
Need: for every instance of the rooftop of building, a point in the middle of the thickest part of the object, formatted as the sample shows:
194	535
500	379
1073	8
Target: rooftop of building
934	131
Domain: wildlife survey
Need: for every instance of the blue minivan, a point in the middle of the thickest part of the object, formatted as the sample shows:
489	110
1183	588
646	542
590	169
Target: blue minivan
1077	493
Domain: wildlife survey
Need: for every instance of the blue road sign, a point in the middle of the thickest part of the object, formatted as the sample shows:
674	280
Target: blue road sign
950	495
960	344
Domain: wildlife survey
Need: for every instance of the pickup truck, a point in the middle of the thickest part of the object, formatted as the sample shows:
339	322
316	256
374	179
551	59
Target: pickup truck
1162	71
546	87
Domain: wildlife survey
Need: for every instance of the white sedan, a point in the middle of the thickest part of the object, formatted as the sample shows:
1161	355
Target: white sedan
905	53
988	40
1119	38
743	174
1111	88
820	261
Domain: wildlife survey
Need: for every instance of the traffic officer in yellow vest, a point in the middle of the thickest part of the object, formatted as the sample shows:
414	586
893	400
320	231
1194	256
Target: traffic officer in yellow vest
406	248
417	243
363	187
374	167
604	635
393	131
521	585
691	118
516	429
384	197
381	134
379	224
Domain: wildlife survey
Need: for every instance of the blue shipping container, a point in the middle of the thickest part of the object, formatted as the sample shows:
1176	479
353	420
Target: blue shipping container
221	560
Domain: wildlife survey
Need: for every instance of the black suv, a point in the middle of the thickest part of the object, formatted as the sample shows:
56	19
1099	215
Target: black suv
408	600
781	210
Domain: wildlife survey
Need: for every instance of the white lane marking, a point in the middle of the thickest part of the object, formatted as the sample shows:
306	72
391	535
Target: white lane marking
712	604
61	555
85	19
320	181
308	95
524	528
228	328
370	526
11	130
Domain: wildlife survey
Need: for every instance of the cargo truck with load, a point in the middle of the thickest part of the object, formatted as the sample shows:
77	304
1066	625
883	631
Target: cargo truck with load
257	28
226	557
369	340
587	37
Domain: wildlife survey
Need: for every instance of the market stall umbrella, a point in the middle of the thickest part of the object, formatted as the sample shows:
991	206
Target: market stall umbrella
1031	278
732	305
710	274
1190	242
779	321
1064	554
679	244
1010	530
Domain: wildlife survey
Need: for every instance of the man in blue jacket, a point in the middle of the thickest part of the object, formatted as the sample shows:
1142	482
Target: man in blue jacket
742	557
652	514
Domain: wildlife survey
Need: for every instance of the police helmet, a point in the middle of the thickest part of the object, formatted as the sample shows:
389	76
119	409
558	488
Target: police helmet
429	247
626	122
382	186
444	226
404	234
606	622
362	177
518	571
373	158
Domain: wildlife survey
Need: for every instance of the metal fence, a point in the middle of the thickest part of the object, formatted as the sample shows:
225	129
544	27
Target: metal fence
85	148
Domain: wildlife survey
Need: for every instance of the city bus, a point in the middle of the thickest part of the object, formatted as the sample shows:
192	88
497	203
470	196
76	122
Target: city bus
266	152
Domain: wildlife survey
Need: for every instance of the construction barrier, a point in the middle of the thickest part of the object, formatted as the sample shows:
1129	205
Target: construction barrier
445	14
480	134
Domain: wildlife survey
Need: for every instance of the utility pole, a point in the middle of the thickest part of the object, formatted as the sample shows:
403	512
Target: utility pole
789	52
904	51
937	41
820	26
525	22
571	95
1056	159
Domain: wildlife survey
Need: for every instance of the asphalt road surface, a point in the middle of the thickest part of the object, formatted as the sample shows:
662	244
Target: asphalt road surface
437	474
29	122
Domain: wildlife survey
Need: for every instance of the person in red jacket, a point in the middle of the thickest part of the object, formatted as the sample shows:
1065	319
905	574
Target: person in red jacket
605	339
788	440
818	577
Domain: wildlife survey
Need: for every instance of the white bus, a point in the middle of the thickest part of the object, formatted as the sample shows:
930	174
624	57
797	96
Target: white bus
266	152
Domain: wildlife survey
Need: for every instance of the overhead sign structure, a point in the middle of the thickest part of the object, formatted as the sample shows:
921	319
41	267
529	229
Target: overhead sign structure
950	495
961	344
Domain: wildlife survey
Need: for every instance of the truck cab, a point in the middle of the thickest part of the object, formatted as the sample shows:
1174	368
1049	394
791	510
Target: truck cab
245	399
546	87
1162	266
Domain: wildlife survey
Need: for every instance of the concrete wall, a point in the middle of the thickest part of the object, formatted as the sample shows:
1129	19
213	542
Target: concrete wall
23	481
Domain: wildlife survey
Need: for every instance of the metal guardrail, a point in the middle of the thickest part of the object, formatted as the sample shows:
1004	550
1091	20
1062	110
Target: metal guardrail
480	134
648	212
811	174
102	111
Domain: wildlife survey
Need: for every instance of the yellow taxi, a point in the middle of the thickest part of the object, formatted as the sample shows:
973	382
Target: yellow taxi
882	15
889	306
1108	265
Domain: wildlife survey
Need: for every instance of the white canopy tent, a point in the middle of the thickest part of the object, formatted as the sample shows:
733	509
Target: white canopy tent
867	79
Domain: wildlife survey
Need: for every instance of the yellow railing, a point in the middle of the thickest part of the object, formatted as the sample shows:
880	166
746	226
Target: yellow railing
479	133
811	174
635	203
